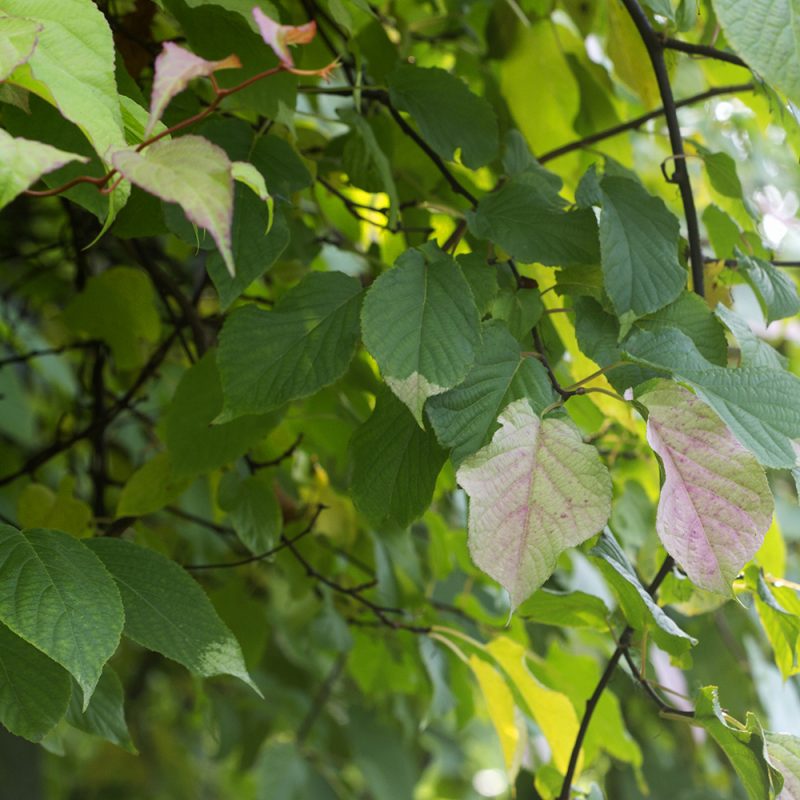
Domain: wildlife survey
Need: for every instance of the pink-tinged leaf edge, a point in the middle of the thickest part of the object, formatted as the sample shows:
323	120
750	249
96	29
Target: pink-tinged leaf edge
279	37
715	505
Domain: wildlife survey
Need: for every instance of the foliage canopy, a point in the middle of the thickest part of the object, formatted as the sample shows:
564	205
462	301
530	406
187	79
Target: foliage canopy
399	400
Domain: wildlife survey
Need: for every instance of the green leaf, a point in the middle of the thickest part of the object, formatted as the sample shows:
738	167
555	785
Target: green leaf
105	716
759	404
23	162
395	464
722	174
778	609
465	417
716	505
640	610
118	306
166	611
18	39
421	325
449	115
189	171
526	217
744	746
195	445
639	248
765	33
776	291
481	277
34	690
443	699
247	174
571	609
56	595
534	491
723	232
268	358
253	510
72	67
254	249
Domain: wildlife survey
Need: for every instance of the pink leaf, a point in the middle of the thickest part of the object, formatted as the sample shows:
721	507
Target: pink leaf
174	68
715	505
279	37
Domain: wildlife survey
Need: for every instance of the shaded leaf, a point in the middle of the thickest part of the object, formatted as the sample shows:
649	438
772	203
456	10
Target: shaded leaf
34	690
267	358
55	594
395	464
776	291
449	115
167	611
253	510
639	608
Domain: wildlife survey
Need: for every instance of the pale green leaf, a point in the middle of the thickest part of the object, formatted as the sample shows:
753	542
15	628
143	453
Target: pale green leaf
40	507
18	39
449	115
23	162
766	34
421	325
755	352
465	417
167	611
715	506
195	445
55	594
760	405
189	171
34	690
535	490
72	67
784	752
640	610
246	173
571	609
395	464
268	358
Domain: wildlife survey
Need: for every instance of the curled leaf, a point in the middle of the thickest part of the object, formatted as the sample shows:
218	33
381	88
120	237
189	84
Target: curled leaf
279	37
18	39
174	68
715	505
535	490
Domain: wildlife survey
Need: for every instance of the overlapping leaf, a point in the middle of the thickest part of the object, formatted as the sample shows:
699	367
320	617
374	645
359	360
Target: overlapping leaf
421	325
55	594
166	611
760	405
267	358
189	171
535	490
715	506
23	162
18	38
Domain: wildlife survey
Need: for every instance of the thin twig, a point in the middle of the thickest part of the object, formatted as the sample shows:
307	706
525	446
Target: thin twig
702	50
